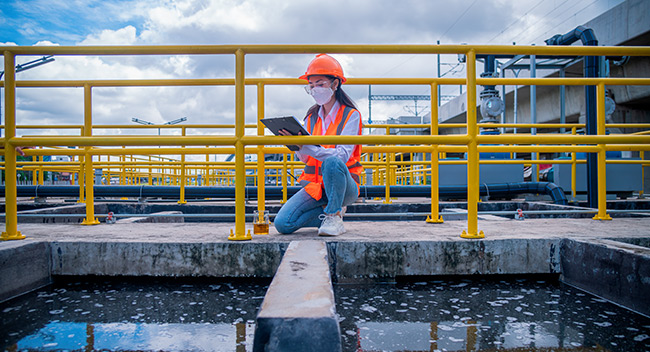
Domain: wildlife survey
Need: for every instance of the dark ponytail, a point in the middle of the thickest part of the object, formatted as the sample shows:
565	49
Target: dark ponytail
343	98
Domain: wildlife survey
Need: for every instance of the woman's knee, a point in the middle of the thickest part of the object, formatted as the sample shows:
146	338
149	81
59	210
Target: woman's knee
281	223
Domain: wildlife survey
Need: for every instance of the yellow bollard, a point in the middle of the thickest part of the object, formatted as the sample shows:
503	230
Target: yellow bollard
240	170
11	203
473	185
89	179
602	156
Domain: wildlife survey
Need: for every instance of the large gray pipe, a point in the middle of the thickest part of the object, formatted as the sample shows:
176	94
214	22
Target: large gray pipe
591	70
275	192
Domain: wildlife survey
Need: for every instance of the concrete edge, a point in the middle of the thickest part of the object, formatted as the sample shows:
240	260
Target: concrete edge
614	270
299	311
24	267
174	259
351	261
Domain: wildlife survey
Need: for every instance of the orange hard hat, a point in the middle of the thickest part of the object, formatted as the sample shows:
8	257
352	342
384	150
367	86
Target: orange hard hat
324	65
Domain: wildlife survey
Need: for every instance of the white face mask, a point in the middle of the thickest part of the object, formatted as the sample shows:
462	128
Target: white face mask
321	94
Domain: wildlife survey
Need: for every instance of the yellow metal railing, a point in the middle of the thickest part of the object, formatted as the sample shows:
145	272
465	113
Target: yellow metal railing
470	142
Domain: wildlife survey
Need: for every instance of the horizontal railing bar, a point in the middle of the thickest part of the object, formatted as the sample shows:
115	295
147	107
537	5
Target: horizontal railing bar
374	215
329	48
540	81
553	81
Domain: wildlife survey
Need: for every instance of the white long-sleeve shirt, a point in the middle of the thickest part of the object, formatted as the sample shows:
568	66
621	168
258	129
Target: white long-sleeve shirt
342	152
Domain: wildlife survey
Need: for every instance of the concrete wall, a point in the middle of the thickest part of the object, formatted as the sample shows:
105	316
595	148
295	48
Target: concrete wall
24	266
611	269
354	260
166	259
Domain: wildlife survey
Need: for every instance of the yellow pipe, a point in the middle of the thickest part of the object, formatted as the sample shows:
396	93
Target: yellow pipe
389	157
602	162
472	153
284	178
81	179
261	174
183	179
435	217
41	175
11	202
563	139
149	178
642	156
329	48
573	167
124	141
88	132
240	172
552	81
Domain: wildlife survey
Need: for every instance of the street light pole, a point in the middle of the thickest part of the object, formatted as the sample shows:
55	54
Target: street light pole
145	122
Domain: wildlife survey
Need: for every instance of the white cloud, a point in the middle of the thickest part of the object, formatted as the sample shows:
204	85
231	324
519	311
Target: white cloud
195	22
122	36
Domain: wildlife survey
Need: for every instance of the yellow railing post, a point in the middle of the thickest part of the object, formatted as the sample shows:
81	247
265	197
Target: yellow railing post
435	217
206	181
473	185
388	178
41	175
285	174
11	202
602	156
261	173
149	179
240	170
90	192
574	161
642	157
82	167
183	179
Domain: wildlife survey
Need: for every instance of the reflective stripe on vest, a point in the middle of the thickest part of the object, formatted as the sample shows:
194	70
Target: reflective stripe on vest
311	169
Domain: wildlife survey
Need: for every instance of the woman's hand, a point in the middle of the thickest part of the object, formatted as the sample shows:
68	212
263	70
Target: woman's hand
284	132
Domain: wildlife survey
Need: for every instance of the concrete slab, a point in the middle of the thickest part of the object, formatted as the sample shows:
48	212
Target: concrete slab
154	219
298	312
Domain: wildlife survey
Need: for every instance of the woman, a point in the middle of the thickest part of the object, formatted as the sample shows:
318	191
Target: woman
332	175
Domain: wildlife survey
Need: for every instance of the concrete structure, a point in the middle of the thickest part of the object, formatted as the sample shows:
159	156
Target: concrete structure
625	24
369	251
298	312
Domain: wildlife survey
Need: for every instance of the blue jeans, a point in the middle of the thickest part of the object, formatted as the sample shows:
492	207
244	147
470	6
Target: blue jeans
301	210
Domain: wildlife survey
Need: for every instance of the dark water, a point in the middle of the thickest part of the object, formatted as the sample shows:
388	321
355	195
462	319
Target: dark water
133	315
444	315
485	315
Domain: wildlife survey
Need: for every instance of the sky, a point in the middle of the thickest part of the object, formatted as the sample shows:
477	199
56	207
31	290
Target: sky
188	22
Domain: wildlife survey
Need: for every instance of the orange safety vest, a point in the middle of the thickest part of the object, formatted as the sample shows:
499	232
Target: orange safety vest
312	176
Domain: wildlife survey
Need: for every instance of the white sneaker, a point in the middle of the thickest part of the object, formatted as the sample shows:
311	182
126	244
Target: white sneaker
332	225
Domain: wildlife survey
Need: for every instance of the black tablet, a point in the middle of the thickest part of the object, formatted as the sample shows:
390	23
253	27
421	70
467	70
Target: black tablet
289	123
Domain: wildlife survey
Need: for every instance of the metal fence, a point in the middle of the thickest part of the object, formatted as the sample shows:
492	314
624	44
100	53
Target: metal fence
239	143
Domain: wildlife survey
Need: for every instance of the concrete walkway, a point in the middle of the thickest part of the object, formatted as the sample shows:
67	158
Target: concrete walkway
358	231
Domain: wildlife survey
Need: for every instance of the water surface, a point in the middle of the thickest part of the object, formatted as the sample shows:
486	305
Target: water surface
485	315
143	315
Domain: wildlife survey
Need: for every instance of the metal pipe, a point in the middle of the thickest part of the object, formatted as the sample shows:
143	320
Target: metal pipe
11	206
276	192
372	215
591	70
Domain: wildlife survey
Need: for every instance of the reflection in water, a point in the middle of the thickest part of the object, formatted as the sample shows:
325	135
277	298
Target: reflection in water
151	316
484	315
